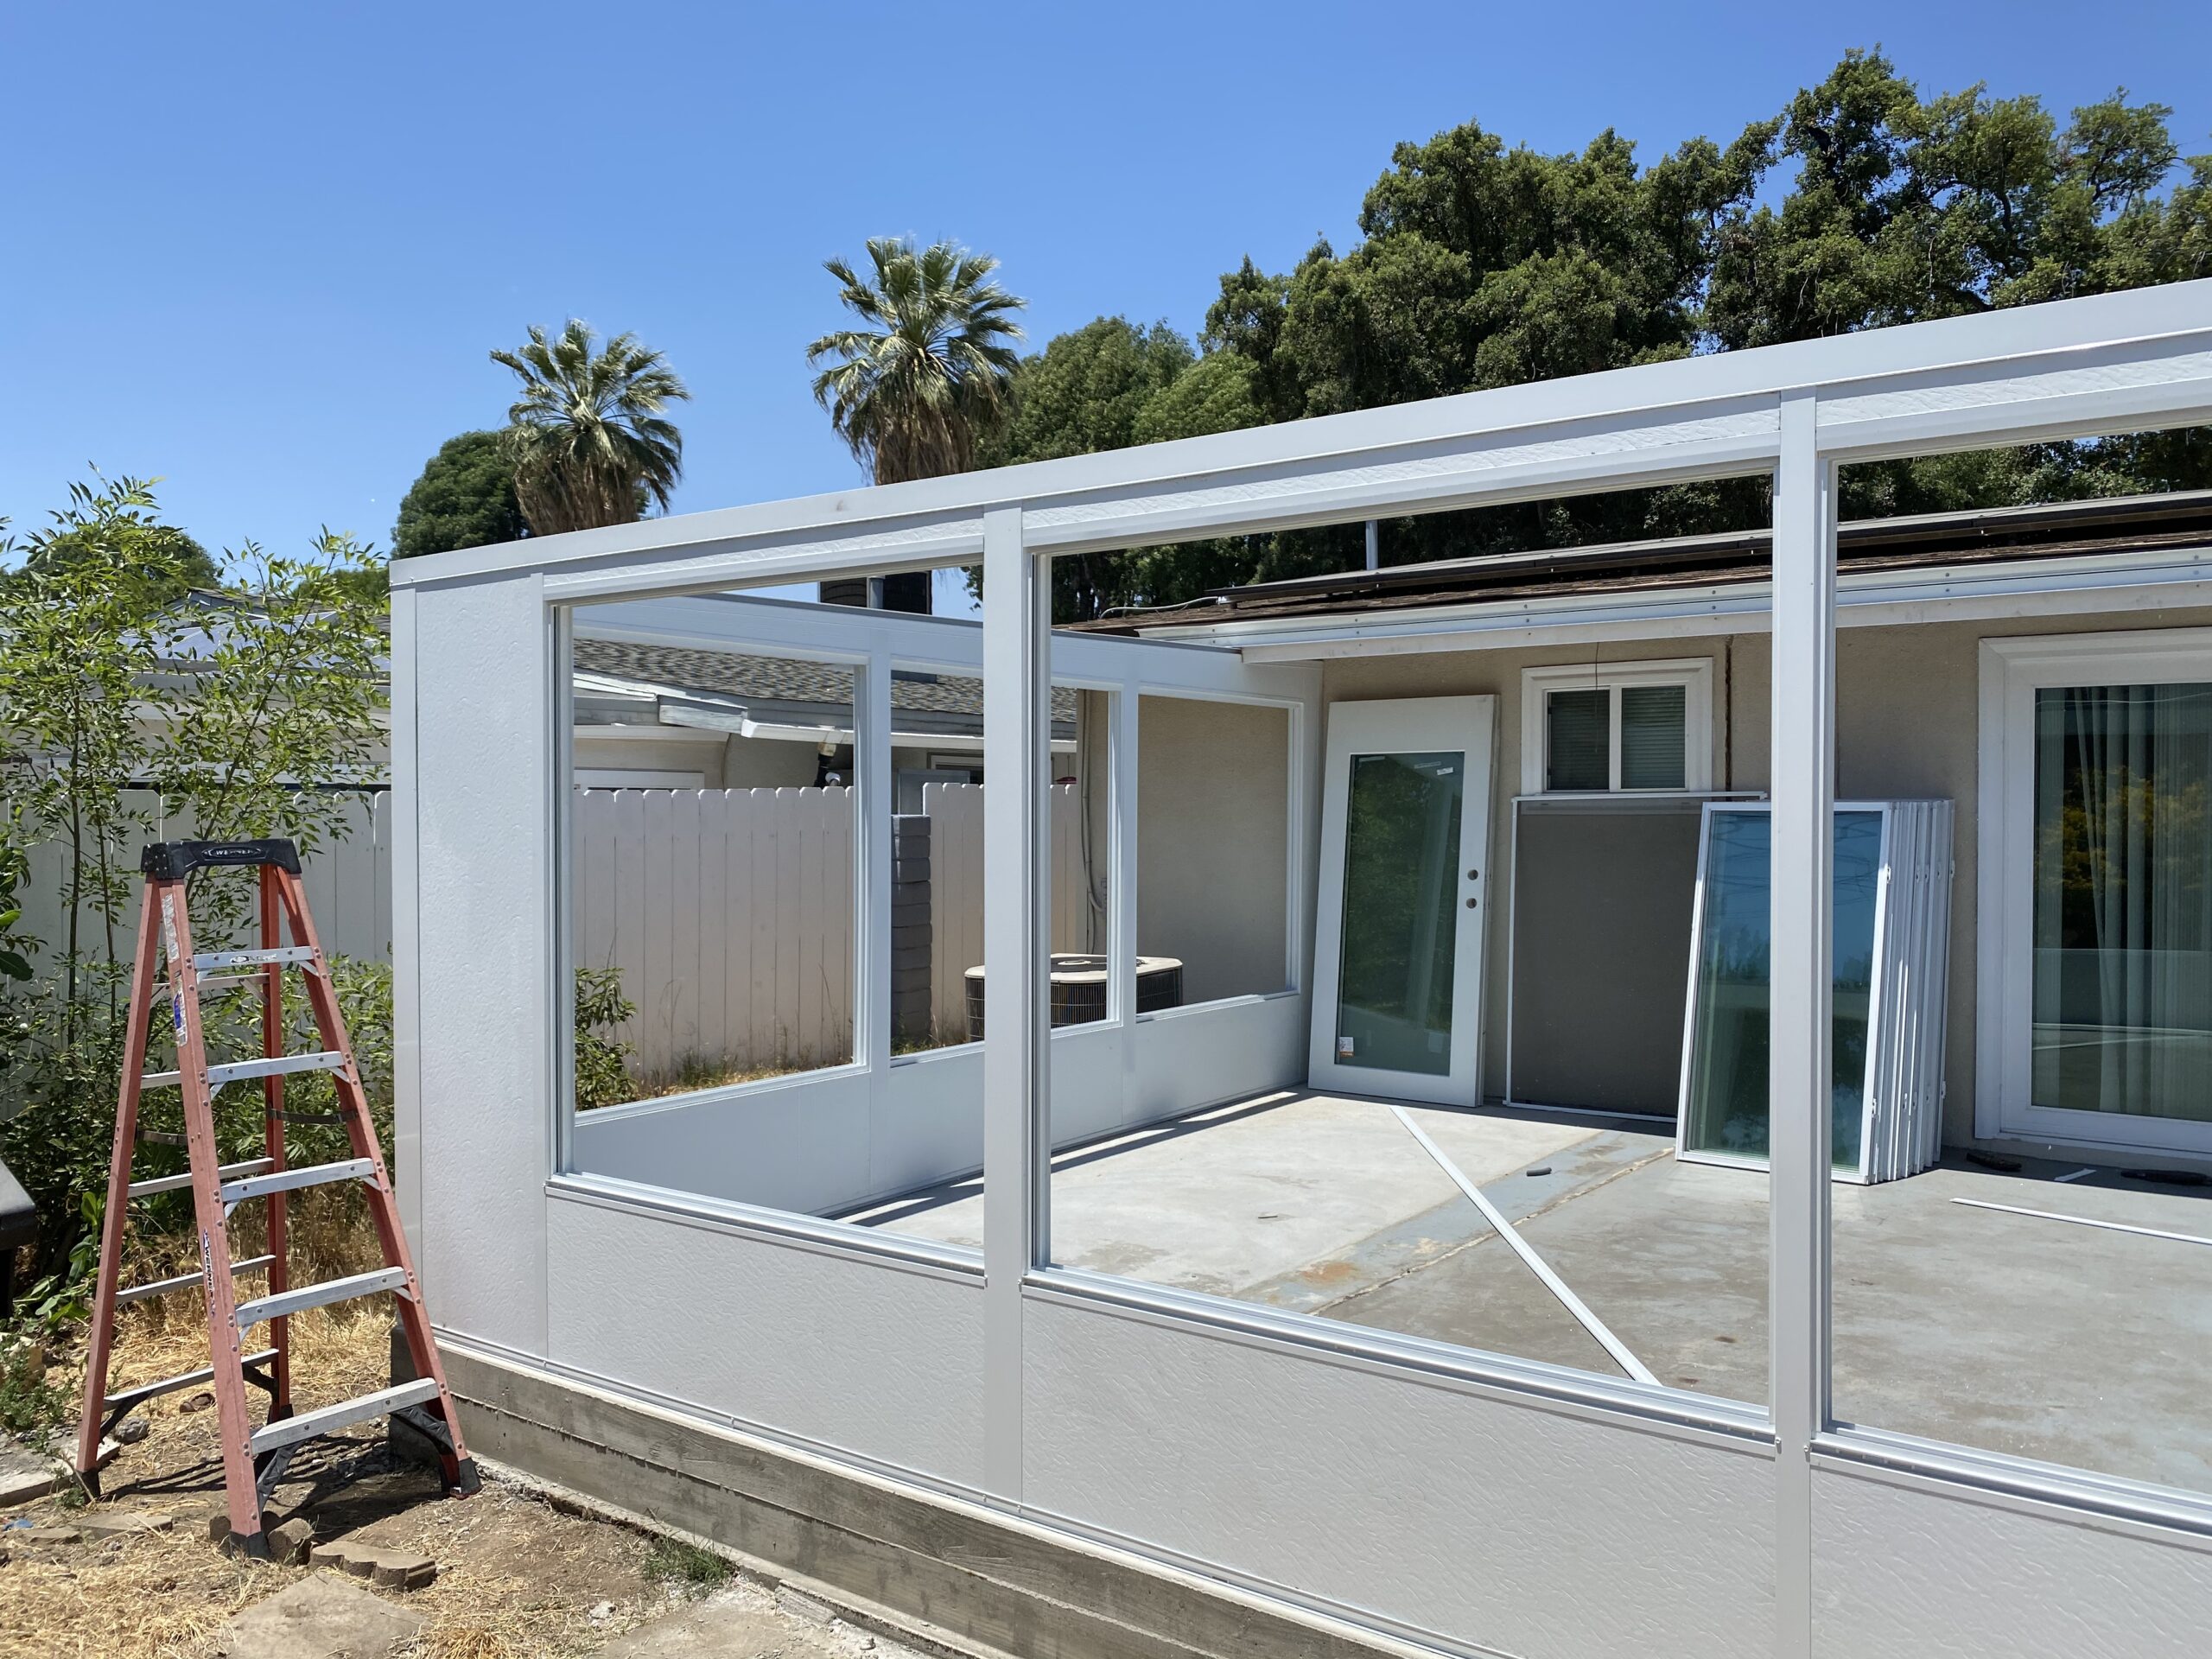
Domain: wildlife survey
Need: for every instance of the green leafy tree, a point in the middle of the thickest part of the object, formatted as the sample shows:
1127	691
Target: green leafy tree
1481	264
1089	389
916	387
589	435
247	715
464	497
276	724
1086	391
79	645
156	563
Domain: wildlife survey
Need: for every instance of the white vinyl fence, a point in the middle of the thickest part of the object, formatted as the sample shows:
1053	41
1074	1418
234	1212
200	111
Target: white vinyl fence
348	883
729	911
730	915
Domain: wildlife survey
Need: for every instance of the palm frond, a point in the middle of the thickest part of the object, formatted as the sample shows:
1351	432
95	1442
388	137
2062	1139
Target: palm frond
588	429
913	389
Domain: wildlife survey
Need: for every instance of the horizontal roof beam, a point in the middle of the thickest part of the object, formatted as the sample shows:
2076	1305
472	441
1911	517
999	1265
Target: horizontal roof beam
2110	362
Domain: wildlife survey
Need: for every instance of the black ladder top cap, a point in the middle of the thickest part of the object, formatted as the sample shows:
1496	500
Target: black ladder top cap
172	861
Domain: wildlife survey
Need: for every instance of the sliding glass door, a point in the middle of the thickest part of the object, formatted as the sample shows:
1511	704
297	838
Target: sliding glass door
2122	977
2098	904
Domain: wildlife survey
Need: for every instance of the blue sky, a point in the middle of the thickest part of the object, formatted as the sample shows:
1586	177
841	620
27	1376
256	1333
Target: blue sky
263	249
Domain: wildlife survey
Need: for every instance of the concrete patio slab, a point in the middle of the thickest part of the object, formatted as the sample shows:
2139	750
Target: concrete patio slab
1228	1199
2010	1333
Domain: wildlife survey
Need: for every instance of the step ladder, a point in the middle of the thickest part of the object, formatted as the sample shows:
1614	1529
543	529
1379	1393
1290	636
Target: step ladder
254	1458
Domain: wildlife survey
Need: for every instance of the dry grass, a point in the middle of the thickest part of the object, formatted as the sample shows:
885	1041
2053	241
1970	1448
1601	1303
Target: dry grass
516	1579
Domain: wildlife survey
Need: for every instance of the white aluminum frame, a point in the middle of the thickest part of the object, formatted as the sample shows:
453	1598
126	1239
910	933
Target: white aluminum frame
2112	363
874	645
2012	671
1692	674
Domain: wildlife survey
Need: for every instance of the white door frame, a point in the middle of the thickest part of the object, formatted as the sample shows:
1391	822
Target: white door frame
2012	671
1397	726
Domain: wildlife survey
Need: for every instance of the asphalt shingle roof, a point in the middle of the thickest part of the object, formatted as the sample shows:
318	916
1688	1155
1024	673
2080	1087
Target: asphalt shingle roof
783	679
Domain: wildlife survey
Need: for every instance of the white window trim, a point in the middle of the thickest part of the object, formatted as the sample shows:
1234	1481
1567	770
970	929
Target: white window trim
2012	671
1692	674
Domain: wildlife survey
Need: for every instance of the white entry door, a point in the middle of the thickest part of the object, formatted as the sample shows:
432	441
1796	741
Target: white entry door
1398	953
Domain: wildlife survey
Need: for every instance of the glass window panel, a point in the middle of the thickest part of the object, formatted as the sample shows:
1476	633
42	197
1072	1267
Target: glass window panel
1727	1105
2122	977
1653	720
1402	844
1577	725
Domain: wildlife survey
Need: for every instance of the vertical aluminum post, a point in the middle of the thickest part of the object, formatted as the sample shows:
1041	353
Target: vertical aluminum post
1802	769
1017	597
1373	546
874	800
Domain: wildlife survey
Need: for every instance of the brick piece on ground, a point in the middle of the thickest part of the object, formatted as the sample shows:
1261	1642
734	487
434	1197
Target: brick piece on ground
45	1536
289	1544
219	1525
395	1569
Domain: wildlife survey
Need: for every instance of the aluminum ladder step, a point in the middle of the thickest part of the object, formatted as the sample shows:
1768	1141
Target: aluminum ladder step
273	1066
227	1173
138	1393
211	961
278	1305
290	1180
183	1280
290	1430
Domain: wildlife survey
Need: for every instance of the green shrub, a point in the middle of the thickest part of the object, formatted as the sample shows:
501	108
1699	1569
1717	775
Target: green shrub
602	1064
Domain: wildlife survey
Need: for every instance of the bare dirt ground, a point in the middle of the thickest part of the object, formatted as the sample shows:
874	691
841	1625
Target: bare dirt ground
519	1576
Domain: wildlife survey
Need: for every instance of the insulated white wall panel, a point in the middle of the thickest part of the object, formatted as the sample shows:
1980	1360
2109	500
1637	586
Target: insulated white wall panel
1502	1527
874	1359
1914	1571
483	966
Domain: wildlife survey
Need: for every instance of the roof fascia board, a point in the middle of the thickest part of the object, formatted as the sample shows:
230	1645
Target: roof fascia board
1865	599
2142	357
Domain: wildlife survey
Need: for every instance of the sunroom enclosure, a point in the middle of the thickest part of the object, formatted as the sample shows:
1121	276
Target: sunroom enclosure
1372	1482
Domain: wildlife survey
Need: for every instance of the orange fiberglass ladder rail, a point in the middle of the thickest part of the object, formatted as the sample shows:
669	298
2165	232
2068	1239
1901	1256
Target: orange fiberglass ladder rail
254	1458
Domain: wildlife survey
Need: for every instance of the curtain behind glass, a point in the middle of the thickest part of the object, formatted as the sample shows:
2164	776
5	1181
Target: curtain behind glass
2122	981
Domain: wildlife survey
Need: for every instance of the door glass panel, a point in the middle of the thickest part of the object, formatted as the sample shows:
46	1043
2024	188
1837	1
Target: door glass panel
1402	849
1653	718
1727	1104
2122	982
1577	729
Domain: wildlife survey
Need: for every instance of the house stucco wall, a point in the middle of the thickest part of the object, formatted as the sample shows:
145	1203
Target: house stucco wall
1213	842
1906	727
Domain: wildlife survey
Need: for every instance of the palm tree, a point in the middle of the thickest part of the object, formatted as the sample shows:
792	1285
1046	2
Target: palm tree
913	389
589	436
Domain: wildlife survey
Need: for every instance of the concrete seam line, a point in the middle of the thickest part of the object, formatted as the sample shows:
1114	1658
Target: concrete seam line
1521	1248
2086	1221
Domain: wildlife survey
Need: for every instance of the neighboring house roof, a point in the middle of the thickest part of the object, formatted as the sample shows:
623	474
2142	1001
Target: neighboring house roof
781	688
2120	525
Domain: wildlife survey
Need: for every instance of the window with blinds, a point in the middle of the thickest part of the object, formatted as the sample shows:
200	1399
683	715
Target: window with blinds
1628	726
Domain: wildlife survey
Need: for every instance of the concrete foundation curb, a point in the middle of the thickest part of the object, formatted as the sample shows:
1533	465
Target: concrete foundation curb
924	1571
